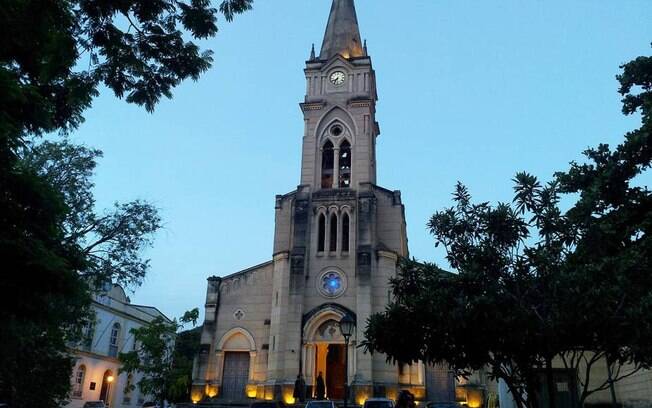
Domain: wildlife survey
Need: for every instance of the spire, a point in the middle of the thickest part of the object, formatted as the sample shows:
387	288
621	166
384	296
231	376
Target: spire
342	32
312	53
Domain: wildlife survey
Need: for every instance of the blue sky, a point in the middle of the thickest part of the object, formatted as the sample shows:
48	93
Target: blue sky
469	90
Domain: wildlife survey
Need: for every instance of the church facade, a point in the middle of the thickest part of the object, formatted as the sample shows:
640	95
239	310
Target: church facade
337	241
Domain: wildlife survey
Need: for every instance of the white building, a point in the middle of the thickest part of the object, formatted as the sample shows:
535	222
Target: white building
96	372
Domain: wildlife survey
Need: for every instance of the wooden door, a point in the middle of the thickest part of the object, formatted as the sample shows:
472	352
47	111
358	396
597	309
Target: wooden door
235	375
335	371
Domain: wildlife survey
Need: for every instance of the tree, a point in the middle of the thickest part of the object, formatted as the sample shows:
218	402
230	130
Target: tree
111	242
44	297
186	347
42	322
54	57
535	283
55	54
154	356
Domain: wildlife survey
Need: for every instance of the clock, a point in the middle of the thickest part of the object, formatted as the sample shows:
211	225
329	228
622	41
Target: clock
337	78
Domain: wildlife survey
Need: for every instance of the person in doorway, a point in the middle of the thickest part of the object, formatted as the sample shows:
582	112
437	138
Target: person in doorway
320	388
299	389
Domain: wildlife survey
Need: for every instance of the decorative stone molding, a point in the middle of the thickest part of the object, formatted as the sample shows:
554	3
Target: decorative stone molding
315	106
239	314
364	103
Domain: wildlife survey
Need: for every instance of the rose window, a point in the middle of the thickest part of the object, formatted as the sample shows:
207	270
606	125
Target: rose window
331	284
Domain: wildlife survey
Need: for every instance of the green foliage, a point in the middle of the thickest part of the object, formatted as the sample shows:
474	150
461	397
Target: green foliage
535	282
154	358
111	242
54	56
186	347
44	299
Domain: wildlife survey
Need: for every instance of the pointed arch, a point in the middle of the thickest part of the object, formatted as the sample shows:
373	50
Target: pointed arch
321	233
346	225
336	114
327	164
333	233
345	164
317	316
237	338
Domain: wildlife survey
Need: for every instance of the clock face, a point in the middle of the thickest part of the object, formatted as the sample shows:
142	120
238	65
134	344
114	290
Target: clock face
337	78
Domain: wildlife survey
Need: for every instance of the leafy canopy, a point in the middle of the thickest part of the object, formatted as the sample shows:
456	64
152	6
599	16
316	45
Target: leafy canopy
111	242
536	282
154	357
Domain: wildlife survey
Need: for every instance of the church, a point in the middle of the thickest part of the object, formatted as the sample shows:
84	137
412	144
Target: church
338	238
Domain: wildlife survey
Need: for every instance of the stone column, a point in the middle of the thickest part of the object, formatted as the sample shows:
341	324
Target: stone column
383	372
279	310
252	366
336	167
219	367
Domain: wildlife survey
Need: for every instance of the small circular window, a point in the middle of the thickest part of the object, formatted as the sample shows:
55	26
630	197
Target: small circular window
331	284
337	130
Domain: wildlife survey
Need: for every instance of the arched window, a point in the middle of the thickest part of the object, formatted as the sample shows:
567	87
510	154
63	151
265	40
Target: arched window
333	237
114	340
345	165
321	233
345	232
327	165
78	385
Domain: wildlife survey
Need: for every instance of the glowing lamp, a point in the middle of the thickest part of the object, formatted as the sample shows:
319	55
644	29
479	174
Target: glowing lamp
251	391
347	324
110	379
288	399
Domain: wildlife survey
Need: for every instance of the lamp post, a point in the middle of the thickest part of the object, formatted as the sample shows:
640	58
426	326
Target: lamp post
109	381
347	325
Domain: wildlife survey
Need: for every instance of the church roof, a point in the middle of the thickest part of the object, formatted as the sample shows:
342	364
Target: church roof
342	32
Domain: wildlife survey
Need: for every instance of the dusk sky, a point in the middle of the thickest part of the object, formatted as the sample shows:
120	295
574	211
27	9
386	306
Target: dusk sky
468	90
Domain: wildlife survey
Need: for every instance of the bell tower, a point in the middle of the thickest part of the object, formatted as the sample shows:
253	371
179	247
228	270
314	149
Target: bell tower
338	238
339	143
339	235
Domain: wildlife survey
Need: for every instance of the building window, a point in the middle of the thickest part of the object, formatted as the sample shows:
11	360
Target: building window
321	233
333	237
87	336
409	373
345	232
327	165
78	385
114	340
345	165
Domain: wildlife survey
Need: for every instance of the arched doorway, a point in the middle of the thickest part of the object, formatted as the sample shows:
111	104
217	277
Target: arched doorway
105	391
324	351
236	356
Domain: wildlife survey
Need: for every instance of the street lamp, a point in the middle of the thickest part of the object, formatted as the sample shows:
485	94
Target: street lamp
109	382
347	325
